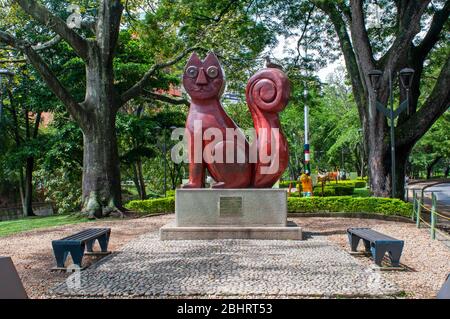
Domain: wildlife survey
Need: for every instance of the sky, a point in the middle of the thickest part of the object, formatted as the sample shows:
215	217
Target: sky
323	74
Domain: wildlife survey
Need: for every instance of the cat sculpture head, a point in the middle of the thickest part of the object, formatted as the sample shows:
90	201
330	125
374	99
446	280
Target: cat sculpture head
203	80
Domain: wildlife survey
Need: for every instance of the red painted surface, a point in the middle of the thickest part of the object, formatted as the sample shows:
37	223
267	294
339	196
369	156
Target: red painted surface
267	94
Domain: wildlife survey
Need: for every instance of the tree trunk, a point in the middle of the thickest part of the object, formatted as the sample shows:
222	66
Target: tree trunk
378	162
28	198
101	172
401	164
431	165
101	175
141	180
136	180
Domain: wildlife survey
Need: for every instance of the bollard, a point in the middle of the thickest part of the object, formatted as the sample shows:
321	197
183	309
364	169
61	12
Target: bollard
433	216
414	205
419	208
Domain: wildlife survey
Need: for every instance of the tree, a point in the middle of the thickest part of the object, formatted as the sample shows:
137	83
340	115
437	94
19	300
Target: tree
407	33
433	148
96	115
363	53
95	44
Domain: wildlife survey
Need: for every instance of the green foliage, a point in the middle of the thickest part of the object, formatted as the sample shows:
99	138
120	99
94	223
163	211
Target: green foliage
170	193
384	206
60	171
285	184
433	149
334	190
153	206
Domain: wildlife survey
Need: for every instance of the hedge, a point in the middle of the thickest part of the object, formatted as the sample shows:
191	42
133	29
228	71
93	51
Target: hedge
379	205
153	206
352	183
302	205
334	190
285	184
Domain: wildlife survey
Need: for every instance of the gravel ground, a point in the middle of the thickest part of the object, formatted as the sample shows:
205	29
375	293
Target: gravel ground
33	257
148	267
429	260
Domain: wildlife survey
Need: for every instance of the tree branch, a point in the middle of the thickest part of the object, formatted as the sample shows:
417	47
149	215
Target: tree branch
360	38
409	22
108	24
349	55
45	17
9	40
139	87
52	81
433	34
48	44
435	105
43	69
166	98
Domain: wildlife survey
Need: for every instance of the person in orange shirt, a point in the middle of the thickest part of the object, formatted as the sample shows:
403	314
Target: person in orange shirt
306	181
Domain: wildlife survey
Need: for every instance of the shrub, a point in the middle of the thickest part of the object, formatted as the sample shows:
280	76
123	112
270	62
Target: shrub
285	184
327	191
384	206
360	184
334	190
153	206
343	190
302	205
170	193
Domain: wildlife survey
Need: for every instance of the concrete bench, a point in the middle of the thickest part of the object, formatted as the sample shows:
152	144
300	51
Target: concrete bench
77	244
377	244
444	293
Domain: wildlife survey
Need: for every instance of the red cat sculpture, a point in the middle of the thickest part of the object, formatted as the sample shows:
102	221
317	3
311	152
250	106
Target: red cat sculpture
229	158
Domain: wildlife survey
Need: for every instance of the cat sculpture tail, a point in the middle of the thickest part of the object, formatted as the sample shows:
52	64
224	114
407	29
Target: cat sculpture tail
267	94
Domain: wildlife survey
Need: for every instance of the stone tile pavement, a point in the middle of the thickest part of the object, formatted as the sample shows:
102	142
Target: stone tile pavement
148	268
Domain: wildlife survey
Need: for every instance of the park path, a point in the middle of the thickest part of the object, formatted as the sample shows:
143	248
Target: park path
149	267
442	192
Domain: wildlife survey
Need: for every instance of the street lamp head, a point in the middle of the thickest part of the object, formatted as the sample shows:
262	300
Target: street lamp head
375	79
406	77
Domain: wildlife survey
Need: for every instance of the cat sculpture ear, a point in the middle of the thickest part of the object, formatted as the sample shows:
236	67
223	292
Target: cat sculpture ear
211	59
194	60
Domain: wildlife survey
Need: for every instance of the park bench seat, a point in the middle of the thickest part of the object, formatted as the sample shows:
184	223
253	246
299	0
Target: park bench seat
444	292
76	245
377	244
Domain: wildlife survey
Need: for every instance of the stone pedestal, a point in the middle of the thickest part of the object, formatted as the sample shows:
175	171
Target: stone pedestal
230	214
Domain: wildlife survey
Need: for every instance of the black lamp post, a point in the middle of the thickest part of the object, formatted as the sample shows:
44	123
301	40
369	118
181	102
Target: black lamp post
375	79
9	75
406	76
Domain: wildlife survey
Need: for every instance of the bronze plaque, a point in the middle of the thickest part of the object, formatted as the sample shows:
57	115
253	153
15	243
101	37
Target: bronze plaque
230	206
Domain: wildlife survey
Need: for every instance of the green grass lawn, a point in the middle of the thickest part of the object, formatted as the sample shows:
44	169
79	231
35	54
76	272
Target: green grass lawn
20	225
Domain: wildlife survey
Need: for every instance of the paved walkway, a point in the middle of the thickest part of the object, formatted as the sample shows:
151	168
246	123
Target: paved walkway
148	267
442	192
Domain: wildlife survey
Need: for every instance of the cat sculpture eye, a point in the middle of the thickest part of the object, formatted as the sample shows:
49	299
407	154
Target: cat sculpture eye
192	71
212	72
